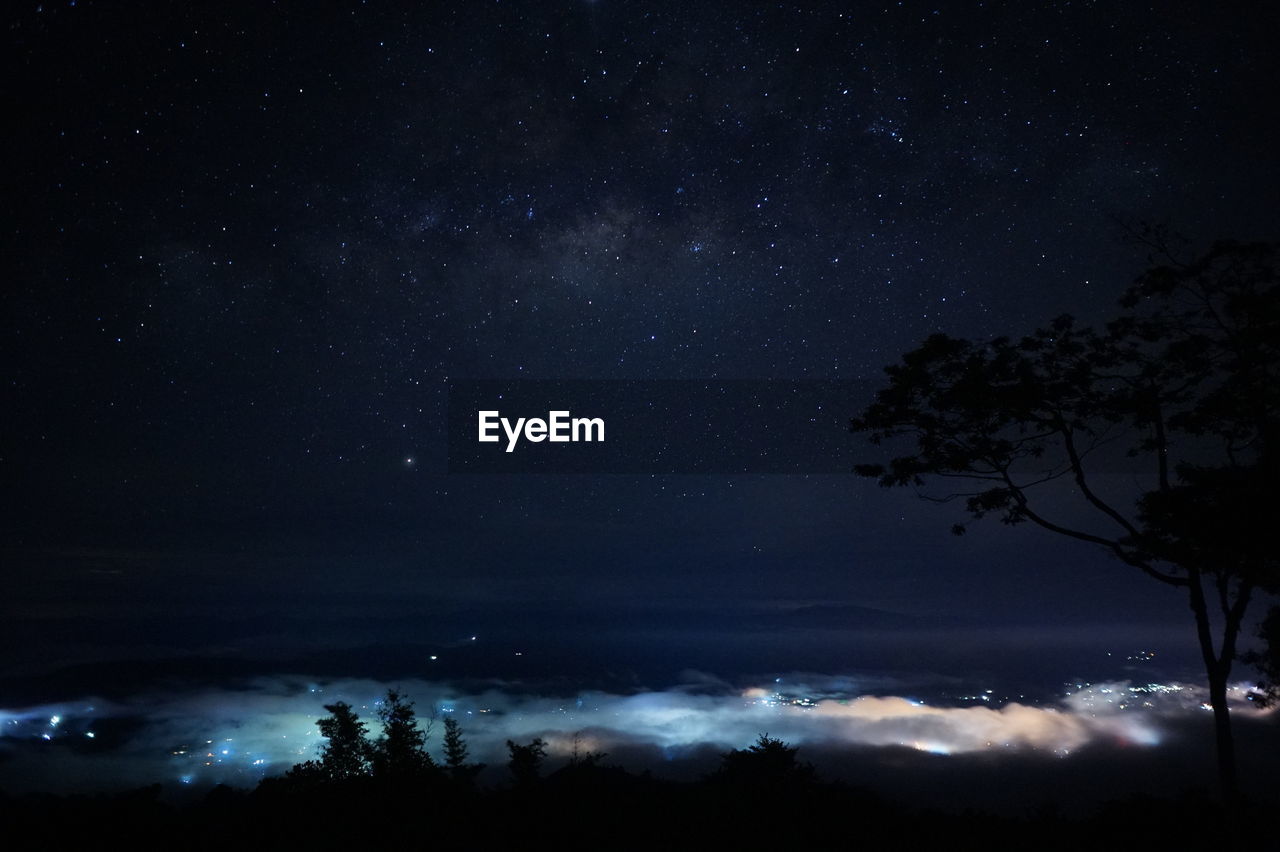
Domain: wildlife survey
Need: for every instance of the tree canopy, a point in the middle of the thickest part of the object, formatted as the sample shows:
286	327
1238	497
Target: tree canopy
1183	385
766	765
345	754
456	753
525	760
400	753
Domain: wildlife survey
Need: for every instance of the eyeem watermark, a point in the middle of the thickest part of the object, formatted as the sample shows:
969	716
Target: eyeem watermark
667	426
559	427
656	426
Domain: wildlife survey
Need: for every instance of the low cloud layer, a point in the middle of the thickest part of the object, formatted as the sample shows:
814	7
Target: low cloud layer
238	735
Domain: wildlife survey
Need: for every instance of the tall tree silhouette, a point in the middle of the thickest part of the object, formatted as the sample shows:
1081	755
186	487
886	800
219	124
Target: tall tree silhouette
345	754
455	747
1188	374
456	753
400	753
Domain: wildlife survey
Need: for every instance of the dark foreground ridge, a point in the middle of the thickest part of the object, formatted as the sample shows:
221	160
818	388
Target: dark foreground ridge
762	797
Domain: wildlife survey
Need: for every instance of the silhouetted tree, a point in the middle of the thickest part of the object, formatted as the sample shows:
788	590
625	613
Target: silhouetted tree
455	747
526	760
769	765
1189	371
345	754
456	753
581	758
400	753
1267	659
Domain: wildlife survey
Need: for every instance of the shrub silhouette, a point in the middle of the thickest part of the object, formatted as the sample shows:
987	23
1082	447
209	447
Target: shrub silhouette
768	764
526	760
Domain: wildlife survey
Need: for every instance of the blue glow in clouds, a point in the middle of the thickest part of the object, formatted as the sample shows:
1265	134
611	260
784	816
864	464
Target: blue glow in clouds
240	735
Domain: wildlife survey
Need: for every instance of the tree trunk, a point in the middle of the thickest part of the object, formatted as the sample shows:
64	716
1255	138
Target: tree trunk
1218	669
1222	730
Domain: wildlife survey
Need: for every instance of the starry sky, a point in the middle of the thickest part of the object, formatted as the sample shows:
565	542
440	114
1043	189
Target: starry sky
249	246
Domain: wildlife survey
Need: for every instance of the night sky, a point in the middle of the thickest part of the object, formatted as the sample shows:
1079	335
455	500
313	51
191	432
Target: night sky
249	247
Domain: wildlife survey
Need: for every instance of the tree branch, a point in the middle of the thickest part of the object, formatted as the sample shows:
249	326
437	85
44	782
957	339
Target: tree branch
1097	502
1114	546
